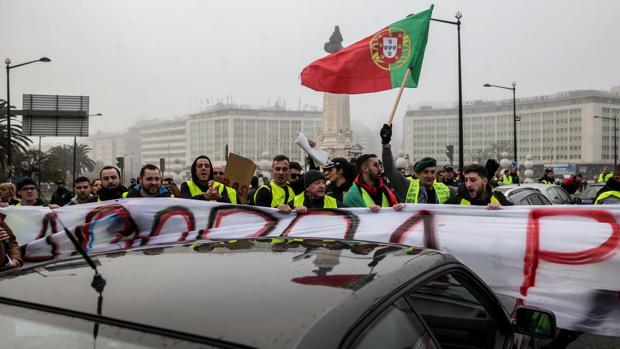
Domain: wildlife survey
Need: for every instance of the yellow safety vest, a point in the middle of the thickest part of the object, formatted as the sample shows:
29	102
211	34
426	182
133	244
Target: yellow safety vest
466	202
442	190
370	202
195	190
606	195
507	180
328	201
547	181
604	178
278	194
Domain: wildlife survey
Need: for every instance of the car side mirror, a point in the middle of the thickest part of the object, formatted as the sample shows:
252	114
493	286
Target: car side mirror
535	322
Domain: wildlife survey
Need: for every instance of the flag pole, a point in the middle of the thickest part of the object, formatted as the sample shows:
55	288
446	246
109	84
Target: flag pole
400	92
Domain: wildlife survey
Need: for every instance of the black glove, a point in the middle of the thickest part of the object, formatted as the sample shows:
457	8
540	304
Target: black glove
386	134
491	166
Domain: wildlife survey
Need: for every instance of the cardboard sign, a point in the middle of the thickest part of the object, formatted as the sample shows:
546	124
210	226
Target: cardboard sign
238	174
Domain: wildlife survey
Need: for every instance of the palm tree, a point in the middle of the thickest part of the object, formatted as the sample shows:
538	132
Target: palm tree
84	162
19	142
64	156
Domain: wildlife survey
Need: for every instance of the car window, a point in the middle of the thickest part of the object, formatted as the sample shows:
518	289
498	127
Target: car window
544	200
591	192
536	199
28	328
564	195
458	313
397	327
557	196
554	196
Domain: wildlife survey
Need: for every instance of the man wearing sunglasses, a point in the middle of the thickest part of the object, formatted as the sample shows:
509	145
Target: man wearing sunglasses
294	171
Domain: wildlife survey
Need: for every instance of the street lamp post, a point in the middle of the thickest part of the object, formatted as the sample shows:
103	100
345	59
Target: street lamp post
514	114
458	17
615	119
7	62
75	150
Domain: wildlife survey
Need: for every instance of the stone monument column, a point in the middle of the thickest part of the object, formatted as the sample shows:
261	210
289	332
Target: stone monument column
335	137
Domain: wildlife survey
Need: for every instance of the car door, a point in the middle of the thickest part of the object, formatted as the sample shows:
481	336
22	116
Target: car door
461	312
448	308
396	327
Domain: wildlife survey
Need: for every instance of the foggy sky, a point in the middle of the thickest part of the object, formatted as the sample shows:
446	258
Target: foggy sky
147	59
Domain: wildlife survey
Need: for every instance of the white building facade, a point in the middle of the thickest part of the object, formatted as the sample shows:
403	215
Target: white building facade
249	132
165	140
558	128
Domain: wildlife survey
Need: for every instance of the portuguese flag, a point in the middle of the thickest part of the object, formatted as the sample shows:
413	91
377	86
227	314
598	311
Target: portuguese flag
376	63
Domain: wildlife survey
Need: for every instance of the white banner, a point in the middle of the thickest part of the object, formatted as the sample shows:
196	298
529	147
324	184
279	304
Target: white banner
562	258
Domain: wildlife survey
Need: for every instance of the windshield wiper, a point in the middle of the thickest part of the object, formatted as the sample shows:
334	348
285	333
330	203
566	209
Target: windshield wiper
98	282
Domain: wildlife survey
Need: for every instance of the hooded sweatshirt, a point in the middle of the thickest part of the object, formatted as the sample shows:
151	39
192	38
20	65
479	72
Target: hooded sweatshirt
186	193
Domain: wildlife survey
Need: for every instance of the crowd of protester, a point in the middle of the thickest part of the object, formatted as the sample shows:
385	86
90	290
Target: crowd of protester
367	181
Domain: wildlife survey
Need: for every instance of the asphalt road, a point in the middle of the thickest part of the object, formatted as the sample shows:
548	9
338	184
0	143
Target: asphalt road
589	341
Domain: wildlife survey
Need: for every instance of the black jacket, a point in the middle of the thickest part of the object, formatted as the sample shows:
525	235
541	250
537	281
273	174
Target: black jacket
61	197
316	202
463	193
338	192
110	193
39	202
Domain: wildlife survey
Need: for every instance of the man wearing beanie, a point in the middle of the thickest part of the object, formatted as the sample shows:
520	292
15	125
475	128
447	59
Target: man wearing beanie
313	196
422	190
29	193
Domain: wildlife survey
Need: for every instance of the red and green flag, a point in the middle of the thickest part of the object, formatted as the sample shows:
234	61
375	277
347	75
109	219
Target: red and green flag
376	63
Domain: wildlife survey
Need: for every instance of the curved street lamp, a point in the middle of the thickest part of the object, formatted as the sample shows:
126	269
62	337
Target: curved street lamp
514	116
7	62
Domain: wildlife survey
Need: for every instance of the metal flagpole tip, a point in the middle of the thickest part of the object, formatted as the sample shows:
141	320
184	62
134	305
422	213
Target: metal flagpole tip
458	15
7	61
514	84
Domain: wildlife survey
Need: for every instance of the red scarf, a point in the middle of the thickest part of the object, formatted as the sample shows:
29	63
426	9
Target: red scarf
375	192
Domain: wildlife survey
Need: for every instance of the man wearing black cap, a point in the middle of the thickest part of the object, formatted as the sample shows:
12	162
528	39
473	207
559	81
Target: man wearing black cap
29	193
313	196
422	190
548	178
338	172
62	195
449	177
